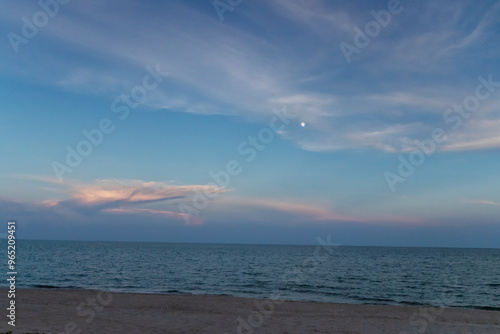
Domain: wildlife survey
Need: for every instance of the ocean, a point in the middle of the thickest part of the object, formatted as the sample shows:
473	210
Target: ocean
342	274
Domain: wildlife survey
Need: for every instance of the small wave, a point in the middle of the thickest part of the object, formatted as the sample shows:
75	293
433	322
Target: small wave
44	286
48	286
253	285
251	273
404	302
174	291
373	300
329	293
129	287
487	308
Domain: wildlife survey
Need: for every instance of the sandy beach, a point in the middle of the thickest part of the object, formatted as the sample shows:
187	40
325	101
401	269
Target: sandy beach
89	311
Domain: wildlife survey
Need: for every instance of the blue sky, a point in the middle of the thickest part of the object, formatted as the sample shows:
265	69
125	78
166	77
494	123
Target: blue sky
392	142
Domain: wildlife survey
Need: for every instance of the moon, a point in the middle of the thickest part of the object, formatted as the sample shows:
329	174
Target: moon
302	124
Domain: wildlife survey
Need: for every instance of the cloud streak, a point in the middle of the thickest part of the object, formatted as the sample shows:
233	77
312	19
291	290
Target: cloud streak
482	202
293	212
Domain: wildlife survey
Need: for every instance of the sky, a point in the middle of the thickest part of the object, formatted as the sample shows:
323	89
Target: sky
372	122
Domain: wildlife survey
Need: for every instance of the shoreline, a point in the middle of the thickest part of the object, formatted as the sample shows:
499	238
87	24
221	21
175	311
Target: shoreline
179	293
91	311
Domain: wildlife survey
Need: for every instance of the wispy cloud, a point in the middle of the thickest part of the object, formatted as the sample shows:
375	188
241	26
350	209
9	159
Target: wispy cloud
315	14
479	32
292	212
40	178
477	134
227	69
133	191
481	201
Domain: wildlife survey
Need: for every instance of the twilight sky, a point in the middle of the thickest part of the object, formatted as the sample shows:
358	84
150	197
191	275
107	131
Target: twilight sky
374	122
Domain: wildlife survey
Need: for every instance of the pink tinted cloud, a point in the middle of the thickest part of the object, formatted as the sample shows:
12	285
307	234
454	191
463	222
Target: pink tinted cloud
133	191
315	212
125	197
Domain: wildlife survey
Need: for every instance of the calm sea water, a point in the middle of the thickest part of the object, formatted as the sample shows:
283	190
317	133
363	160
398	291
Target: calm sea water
372	275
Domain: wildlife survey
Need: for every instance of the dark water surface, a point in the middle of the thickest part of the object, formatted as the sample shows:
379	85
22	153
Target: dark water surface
373	275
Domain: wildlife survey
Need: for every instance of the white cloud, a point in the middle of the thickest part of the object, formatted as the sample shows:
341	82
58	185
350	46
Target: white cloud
475	135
